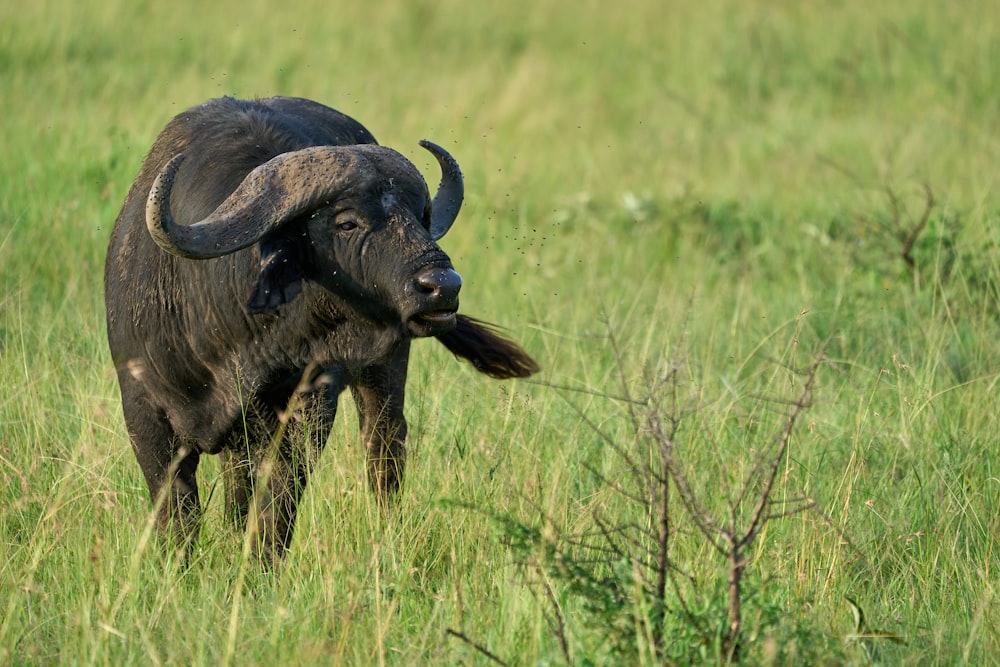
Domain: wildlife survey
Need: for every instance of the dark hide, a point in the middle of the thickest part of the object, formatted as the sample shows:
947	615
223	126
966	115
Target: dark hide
245	354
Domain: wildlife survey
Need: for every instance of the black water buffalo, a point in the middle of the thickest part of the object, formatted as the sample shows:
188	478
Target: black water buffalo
269	255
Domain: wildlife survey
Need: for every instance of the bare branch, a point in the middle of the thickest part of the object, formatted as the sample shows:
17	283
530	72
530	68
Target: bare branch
896	208
802	404
620	367
619	488
582	390
479	647
560	622
807	504
605	438
692	618
704	521
911	238
842	170
663	549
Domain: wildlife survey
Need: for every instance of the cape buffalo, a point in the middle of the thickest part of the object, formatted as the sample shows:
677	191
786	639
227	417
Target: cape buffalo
269	255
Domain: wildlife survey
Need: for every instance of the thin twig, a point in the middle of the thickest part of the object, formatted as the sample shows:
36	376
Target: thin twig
807	504
582	390
803	403
911	238
703	520
620	367
560	619
607	439
479	647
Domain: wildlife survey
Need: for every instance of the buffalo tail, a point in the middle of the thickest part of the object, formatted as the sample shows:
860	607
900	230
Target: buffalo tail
487	351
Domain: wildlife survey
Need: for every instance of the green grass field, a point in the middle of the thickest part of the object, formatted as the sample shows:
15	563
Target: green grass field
725	188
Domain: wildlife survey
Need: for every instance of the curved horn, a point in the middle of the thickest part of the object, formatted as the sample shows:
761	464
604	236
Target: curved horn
270	195
448	200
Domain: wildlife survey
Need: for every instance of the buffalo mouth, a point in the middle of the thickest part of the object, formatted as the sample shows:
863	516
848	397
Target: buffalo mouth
433	322
433	296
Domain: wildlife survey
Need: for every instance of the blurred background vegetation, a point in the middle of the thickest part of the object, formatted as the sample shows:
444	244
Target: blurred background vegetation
714	180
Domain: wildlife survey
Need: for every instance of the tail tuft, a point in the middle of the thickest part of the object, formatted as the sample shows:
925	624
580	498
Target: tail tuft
488	351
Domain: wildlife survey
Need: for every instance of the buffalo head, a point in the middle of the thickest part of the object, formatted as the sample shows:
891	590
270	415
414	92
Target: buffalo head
357	220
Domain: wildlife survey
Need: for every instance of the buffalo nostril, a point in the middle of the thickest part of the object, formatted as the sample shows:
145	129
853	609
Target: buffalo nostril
442	283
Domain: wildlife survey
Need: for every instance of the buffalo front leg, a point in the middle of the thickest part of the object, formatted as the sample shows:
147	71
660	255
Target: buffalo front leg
280	472
379	393
247	447
237	476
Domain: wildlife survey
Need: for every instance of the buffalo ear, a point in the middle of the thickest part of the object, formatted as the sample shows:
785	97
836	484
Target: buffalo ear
280	277
426	221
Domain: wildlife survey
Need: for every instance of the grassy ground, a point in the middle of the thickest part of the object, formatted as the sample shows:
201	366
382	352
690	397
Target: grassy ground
727	184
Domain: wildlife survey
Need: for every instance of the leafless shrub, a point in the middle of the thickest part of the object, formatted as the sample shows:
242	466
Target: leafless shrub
622	570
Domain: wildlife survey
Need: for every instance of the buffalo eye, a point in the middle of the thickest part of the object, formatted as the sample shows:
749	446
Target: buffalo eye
347	226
